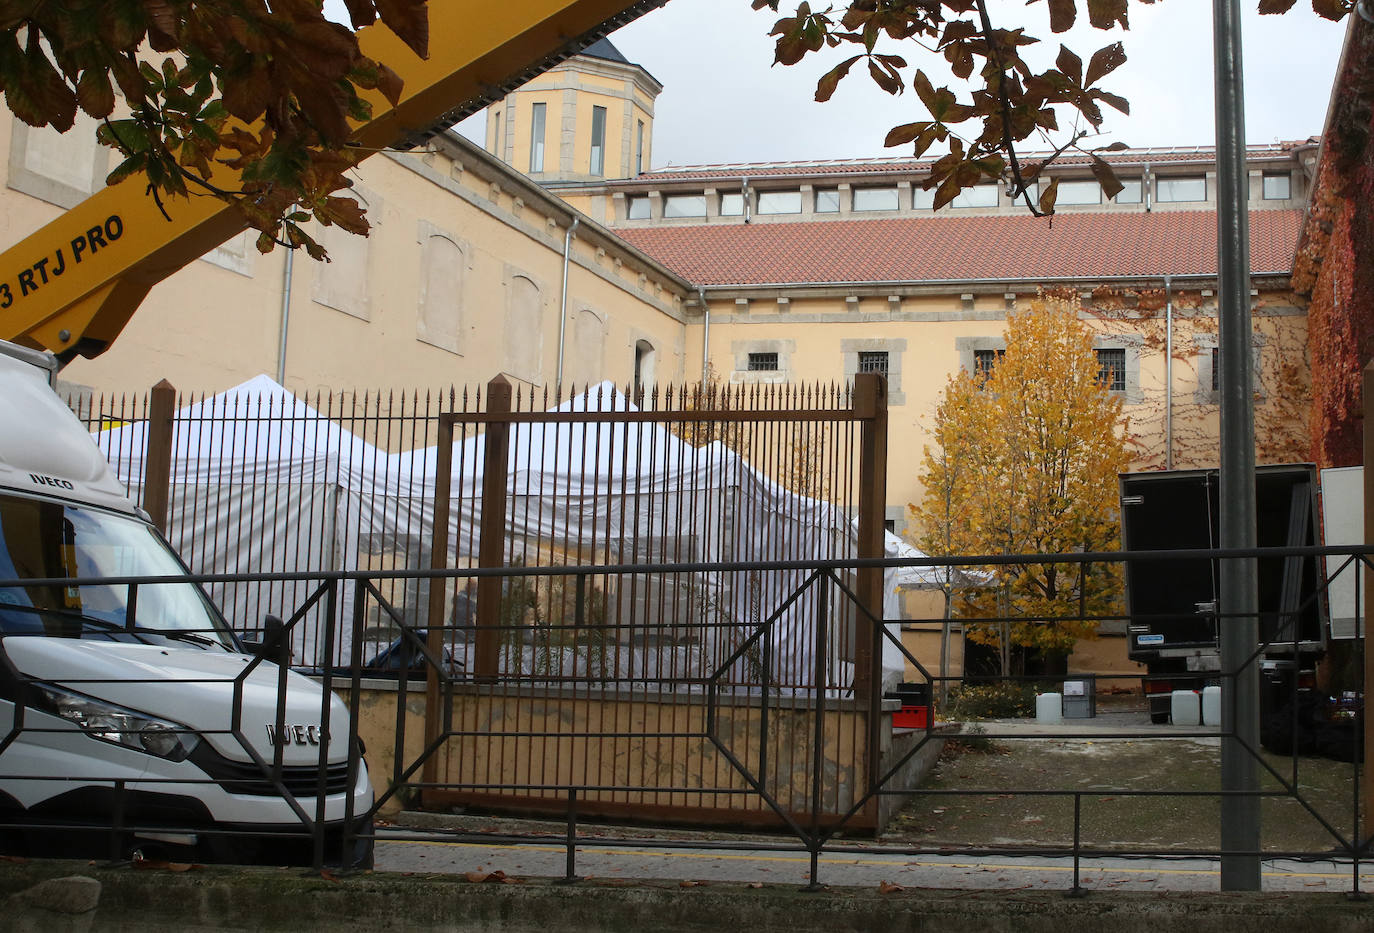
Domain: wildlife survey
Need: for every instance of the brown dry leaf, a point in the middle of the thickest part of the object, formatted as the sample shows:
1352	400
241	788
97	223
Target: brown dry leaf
686	884
328	875
889	887
755	884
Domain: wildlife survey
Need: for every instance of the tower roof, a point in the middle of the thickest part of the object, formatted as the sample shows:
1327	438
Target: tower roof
602	48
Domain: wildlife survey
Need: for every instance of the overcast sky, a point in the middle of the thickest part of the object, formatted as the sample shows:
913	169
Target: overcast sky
722	102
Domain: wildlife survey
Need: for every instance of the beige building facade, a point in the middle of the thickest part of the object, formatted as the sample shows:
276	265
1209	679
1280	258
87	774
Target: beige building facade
558	257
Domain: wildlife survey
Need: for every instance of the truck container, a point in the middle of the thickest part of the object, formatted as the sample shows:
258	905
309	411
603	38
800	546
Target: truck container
1172	603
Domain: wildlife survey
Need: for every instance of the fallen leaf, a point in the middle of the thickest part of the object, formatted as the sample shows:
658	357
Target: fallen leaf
755	884
888	887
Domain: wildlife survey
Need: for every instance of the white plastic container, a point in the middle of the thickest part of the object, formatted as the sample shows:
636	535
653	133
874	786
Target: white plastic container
1184	708
1049	708
1211	706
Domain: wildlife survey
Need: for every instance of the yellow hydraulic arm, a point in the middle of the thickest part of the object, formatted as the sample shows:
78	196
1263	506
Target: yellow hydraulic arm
72	286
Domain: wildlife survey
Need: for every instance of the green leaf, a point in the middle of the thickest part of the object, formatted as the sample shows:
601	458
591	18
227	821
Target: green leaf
125	135
130	166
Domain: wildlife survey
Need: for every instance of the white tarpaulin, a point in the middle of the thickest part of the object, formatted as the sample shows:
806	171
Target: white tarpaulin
263	483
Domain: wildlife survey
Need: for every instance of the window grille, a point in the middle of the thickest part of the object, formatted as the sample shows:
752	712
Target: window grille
763	362
873	361
1111	368
984	361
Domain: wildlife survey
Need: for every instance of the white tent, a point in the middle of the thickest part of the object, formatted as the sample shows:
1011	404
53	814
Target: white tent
263	483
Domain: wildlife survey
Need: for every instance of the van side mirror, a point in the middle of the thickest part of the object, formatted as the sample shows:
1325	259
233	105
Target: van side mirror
272	646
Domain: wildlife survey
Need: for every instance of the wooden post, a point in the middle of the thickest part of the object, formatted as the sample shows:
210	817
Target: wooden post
870	405
491	544
438	560
157	469
1367	771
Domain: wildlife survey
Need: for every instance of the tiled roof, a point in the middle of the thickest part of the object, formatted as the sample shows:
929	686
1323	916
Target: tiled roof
1199	154
943	248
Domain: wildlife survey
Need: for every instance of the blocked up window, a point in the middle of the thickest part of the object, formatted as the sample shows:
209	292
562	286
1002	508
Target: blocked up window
779	202
1181	189
875	199
873	361
1079	192
684	205
1277	187
1111	368
977	196
763	362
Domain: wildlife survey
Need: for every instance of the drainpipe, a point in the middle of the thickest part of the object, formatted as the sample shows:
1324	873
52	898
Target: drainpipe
1146	184
1168	374
563	302
285	316
744	194
705	337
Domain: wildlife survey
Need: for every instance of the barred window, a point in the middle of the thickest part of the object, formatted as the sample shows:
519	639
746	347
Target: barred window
873	361
1216	369
984	360
763	362
1111	368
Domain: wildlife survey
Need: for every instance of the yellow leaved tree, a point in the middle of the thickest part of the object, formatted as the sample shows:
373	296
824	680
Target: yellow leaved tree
1024	461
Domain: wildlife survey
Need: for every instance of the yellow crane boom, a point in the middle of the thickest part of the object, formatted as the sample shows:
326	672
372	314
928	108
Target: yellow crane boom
73	285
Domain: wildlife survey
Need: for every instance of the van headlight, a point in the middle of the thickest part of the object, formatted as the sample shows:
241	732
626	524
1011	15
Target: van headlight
121	726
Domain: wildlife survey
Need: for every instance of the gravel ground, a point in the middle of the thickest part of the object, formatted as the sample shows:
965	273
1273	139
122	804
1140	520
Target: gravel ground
1107	760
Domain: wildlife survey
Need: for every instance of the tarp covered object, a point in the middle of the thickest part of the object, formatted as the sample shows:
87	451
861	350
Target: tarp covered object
263	483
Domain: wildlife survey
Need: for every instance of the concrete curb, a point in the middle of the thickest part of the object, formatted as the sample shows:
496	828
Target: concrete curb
265	900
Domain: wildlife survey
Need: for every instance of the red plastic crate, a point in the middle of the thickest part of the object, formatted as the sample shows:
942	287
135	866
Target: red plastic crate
911	717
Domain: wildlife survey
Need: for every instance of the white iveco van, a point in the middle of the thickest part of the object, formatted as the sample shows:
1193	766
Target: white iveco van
138	707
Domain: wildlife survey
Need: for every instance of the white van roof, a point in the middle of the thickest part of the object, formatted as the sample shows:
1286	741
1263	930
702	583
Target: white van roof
44	449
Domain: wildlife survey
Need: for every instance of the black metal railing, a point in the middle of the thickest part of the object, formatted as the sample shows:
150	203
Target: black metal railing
737	737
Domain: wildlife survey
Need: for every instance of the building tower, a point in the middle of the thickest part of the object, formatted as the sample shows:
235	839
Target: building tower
586	120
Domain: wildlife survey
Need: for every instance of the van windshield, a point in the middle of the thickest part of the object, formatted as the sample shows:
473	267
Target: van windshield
45	539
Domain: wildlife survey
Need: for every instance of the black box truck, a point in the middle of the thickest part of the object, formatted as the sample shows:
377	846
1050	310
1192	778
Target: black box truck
1172	603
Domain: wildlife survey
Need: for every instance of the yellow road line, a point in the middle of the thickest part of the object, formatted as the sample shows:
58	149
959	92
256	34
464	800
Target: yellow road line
833	860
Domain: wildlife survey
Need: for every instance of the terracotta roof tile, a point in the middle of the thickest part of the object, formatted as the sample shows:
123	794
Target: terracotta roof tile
984	248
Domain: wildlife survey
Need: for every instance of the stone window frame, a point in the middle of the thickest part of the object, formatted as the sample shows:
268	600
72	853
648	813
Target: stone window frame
965	347
1203	345
37	185
425	231
1133	394
740	350
894	347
